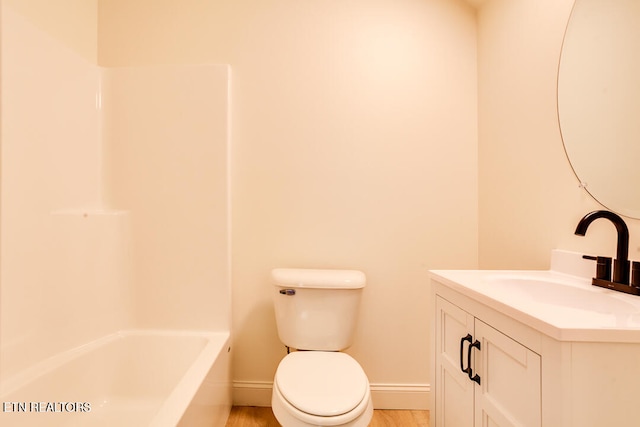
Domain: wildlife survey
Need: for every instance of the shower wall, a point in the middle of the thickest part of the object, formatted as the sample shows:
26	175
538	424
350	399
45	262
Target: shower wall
113	190
165	133
63	275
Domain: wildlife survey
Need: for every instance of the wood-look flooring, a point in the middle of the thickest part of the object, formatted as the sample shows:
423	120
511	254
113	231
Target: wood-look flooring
252	416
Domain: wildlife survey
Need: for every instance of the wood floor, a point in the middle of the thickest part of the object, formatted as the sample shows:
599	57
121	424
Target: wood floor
252	416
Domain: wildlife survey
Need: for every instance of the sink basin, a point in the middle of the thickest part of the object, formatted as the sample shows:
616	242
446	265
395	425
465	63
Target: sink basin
570	293
562	306
559	302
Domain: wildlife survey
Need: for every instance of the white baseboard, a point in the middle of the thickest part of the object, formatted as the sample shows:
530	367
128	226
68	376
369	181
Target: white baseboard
400	396
252	393
385	396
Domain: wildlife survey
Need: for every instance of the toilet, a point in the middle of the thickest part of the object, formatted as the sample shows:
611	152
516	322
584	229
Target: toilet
316	315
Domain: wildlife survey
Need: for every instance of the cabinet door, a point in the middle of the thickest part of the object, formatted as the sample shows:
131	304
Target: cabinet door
509	390
453	389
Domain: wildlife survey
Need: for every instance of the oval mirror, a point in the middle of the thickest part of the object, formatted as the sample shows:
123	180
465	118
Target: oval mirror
599	100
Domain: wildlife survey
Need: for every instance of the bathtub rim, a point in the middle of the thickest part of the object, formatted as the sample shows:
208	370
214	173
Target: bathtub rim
175	405
29	375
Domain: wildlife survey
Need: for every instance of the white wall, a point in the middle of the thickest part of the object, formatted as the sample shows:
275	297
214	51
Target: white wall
354	138
353	146
530	201
166	153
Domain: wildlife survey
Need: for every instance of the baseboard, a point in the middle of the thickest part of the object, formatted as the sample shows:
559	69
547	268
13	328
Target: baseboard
252	393
400	396
385	396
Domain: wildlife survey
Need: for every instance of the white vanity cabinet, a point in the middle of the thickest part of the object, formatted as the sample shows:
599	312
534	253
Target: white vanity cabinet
532	349
483	377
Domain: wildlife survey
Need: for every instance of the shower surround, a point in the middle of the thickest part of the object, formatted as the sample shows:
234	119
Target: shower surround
113	197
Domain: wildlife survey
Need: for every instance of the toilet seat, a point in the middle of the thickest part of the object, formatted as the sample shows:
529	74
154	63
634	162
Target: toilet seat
322	388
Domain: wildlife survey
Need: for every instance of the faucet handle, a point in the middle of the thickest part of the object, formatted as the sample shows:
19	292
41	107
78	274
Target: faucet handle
635	274
603	266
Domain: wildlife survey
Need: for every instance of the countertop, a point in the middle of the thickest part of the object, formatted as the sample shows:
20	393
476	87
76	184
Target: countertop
562	306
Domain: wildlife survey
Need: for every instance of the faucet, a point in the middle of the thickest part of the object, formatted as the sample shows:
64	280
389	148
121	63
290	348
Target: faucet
621	263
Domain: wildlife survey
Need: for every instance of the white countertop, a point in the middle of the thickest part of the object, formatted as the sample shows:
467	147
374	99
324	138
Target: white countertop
562	306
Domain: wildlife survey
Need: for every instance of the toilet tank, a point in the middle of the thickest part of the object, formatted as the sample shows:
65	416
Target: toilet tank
317	309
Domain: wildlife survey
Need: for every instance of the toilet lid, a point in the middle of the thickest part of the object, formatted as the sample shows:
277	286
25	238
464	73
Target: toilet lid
321	383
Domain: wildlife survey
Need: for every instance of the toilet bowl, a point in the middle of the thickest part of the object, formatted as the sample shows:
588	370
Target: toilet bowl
321	388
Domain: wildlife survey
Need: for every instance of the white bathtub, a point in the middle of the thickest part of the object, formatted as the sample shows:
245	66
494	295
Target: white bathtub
132	378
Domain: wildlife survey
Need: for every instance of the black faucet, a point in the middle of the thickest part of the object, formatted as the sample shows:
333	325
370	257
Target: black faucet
621	263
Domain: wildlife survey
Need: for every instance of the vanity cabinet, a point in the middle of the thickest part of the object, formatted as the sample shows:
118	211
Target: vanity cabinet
482	377
505	356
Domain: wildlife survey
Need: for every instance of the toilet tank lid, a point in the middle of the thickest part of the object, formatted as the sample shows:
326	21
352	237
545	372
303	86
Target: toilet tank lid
317	278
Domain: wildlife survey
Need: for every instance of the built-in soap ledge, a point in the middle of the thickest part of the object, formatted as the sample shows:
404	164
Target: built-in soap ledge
85	213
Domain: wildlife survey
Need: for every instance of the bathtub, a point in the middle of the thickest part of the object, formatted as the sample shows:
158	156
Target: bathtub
131	378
